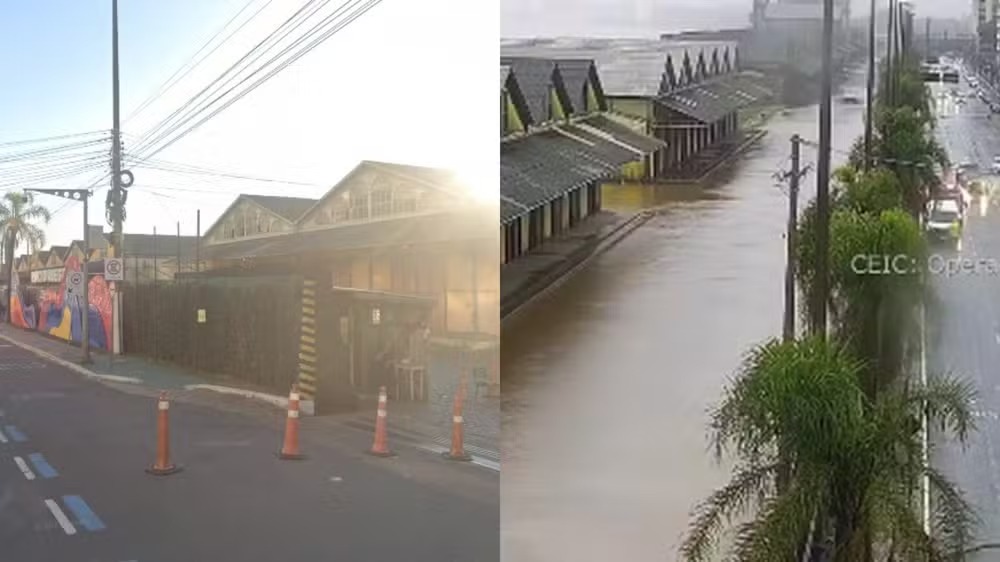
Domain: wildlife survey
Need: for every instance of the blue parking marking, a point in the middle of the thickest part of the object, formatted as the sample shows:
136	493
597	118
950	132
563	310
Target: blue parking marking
42	466
84	516
15	434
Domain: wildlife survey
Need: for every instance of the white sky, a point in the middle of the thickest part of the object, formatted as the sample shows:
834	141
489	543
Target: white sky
410	81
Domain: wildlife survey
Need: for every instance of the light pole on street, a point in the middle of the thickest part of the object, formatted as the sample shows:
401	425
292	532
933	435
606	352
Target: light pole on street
822	289
84	196
870	89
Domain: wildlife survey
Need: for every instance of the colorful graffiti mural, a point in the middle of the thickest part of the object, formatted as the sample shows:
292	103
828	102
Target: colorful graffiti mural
59	312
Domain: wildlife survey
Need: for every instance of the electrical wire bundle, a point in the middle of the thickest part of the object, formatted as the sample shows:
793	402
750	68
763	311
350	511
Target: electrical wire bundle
298	35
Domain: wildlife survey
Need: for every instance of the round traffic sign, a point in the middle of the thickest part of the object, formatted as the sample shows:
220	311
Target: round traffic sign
76	278
114	268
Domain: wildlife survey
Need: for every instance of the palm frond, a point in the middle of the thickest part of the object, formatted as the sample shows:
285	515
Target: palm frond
732	500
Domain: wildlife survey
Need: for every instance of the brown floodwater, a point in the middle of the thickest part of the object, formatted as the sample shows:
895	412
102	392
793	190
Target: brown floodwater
608	380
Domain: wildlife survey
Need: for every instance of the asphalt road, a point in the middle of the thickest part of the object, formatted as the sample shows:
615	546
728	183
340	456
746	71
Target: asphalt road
964	324
73	486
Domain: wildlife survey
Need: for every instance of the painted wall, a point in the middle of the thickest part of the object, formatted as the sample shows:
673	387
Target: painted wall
59	312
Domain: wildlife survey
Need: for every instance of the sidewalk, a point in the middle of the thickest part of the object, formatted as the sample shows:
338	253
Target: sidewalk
428	423
533	273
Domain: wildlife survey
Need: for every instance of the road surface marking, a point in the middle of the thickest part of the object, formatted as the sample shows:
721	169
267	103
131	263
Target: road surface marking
84	515
61	518
24	468
42	466
15	434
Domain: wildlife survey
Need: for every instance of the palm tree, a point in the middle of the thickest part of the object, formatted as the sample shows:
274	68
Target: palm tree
18	215
851	466
872	312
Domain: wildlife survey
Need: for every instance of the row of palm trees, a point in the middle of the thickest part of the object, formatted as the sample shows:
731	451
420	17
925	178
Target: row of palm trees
828	434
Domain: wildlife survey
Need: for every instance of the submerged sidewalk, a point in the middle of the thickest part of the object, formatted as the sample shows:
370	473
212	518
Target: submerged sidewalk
426	424
533	273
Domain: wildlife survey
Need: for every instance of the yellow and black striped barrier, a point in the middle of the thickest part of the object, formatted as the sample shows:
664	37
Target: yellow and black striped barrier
307	341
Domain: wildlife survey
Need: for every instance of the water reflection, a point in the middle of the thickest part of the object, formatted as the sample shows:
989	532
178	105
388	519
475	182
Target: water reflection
607	380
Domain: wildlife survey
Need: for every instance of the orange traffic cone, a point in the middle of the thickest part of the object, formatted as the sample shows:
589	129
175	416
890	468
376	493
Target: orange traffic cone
457	452
163	466
290	450
380	448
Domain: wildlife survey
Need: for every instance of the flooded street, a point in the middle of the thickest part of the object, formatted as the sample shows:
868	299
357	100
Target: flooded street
608	380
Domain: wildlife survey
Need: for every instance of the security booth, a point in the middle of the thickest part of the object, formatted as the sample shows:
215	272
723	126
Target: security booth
369	339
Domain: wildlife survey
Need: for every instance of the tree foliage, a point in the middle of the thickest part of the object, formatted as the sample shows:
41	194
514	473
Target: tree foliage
853	462
20	217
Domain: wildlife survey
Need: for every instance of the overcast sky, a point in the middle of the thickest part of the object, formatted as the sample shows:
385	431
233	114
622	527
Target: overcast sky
523	18
407	82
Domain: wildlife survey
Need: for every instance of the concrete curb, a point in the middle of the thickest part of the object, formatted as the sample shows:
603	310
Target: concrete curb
70	365
307	407
605	243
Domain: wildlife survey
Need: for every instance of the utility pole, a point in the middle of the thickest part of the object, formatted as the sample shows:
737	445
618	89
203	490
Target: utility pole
870	89
927	39
889	62
793	211
115	202
82	195
823	178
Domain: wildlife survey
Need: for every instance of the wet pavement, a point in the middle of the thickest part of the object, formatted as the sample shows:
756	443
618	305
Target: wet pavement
608	380
964	327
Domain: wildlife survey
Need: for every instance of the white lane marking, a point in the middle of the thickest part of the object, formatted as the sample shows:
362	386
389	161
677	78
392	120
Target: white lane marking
61	518
24	468
3	438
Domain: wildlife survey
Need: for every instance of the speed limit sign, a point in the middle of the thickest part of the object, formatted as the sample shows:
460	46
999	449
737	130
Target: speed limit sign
113	270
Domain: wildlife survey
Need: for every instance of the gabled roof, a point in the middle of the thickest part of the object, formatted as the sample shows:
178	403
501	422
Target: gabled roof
59	251
438	179
289	208
575	74
541	167
42	256
535	76
504	74
282	207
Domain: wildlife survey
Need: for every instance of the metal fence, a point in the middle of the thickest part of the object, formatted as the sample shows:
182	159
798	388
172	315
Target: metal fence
244	329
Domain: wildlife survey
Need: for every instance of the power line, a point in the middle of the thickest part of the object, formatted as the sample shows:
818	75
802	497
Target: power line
258	47
315	43
171	82
31	154
49	139
194	170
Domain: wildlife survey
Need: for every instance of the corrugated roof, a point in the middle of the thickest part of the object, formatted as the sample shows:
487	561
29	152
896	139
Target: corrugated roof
546	165
624	134
575	73
289	208
534	78
711	100
510	210
626	67
426	229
